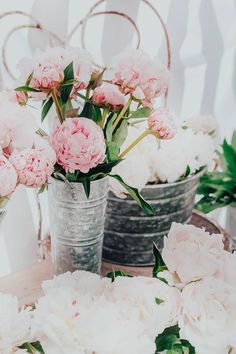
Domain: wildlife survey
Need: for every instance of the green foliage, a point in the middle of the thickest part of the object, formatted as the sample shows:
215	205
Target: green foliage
117	273
159	265
67	83
134	193
218	188
46	107
27	89
158	301
169	340
141	113
33	348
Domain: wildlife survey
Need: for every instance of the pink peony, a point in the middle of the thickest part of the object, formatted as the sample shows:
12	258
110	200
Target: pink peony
108	95
33	166
47	76
190	253
47	68
8	177
162	122
82	65
79	144
17	127
140	75
13	96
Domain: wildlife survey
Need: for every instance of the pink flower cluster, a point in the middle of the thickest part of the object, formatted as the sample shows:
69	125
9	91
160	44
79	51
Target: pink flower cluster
47	68
25	157
163	123
108	95
8	177
79	144
138	74
33	167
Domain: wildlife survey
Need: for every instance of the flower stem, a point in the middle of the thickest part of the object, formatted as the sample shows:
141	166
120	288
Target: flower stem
102	123
122	112
135	142
58	107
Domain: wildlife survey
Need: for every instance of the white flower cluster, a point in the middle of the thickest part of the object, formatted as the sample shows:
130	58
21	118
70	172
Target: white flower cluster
198	264
82	313
193	147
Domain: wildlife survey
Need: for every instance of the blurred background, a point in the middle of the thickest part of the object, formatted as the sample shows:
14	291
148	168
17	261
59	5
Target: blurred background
203	71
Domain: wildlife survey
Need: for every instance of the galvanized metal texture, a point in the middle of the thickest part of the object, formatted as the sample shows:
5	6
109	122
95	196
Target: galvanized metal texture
130	233
77	225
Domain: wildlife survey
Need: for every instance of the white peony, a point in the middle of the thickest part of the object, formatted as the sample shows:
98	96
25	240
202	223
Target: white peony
208	317
203	123
14	324
83	313
85	283
141	293
134	171
190	253
227	269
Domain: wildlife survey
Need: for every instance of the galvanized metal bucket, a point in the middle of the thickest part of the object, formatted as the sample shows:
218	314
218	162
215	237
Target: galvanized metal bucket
130	233
77	225
2	214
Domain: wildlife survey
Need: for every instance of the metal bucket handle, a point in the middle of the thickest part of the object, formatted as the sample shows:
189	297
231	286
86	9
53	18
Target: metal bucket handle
72	188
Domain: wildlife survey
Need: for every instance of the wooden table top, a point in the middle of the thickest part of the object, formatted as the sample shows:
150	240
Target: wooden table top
26	284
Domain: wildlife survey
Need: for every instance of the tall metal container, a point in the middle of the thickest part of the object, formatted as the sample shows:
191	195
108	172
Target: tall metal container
77	225
130	233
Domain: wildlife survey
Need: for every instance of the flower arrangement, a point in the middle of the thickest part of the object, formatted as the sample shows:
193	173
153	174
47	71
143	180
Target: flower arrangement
94	111
217	188
192	148
26	158
187	307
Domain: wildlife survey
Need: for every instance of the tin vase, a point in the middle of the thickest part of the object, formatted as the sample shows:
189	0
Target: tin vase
2	214
130	233
77	224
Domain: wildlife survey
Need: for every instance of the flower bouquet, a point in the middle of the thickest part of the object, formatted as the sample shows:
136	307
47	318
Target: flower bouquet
168	180
188	307
95	109
26	158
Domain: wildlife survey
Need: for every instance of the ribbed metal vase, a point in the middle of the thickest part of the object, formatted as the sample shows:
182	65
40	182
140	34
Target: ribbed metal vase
130	233
77	225
2	214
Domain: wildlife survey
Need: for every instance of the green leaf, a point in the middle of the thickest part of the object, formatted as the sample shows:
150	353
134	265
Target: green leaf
187	172
71	176
159	262
134	193
233	141
230	157
108	127
112	151
66	87
33	348
117	273
42	188
86	184
141	113
158	301
46	108
121	133
27	89
87	111
96	114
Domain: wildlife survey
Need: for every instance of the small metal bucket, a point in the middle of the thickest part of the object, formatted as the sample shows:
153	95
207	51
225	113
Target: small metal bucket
2	214
77	225
130	233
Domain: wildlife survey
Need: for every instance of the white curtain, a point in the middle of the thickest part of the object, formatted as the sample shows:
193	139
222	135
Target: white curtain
203	72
